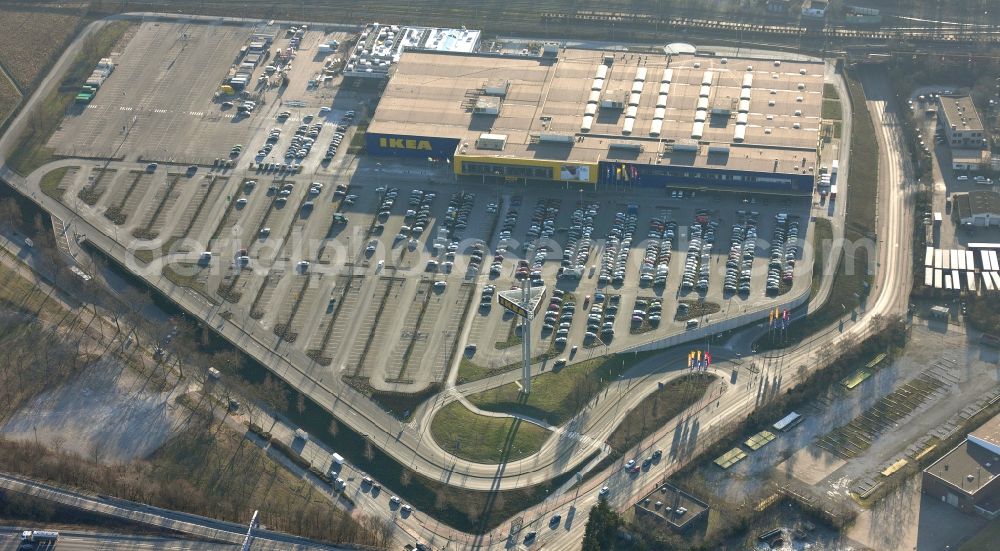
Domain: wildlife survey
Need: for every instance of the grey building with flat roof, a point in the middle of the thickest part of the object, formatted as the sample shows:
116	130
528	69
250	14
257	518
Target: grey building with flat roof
967	476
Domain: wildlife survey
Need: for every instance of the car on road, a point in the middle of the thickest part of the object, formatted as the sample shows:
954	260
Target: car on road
394	501
604	491
406	510
630	464
554	521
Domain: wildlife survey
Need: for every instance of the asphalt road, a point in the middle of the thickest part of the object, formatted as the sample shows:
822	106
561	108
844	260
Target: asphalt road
87	541
198	526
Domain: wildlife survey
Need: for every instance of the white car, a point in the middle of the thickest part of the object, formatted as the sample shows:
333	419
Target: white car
379	266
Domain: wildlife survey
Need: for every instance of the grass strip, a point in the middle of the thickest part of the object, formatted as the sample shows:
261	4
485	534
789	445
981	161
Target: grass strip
50	183
31	151
482	439
558	396
659	408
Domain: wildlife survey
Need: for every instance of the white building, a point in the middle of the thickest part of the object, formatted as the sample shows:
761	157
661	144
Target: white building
962	126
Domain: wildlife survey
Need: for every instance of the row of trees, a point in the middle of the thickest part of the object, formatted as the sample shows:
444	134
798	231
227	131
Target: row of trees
205	468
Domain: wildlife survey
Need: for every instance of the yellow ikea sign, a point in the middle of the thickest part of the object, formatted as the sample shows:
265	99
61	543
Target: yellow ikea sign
404	143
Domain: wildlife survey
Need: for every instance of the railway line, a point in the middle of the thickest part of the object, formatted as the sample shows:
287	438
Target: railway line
944	33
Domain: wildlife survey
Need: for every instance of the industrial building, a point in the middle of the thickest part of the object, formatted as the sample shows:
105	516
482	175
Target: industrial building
592	118
962	126
977	208
966	477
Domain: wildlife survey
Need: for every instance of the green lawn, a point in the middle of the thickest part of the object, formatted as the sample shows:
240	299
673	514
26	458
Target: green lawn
9	97
832	110
557	396
50	183
483	439
658	408
830	92
31	151
822	233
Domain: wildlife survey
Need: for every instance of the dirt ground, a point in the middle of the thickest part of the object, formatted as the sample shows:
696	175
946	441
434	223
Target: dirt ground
107	413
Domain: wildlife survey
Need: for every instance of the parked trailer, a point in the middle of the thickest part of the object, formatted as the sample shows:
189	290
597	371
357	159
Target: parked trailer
787	422
938	259
993	261
988	281
938	276
39	536
929	257
970	280
970	261
929	277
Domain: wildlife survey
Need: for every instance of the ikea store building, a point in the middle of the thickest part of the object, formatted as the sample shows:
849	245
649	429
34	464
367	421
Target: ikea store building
595	119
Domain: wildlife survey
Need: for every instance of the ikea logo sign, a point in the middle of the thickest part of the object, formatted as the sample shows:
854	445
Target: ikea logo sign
405	143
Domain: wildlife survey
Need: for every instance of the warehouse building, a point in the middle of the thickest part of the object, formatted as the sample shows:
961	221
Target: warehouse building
966	477
962	126
977	208
585	117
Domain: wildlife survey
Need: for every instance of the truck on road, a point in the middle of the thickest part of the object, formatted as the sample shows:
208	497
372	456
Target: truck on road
39	536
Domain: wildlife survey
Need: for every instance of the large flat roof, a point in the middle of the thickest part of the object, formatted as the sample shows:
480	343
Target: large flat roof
433	95
968	468
960	112
988	435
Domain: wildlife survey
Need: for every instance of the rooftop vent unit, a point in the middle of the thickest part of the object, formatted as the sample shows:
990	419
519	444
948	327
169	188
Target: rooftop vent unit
497	88
487	105
624	146
494	142
555	138
610	101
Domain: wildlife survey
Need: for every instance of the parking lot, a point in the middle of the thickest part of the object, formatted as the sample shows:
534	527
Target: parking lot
160	103
371	266
627	266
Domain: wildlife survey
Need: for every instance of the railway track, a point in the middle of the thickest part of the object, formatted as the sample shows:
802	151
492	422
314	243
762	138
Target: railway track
947	34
